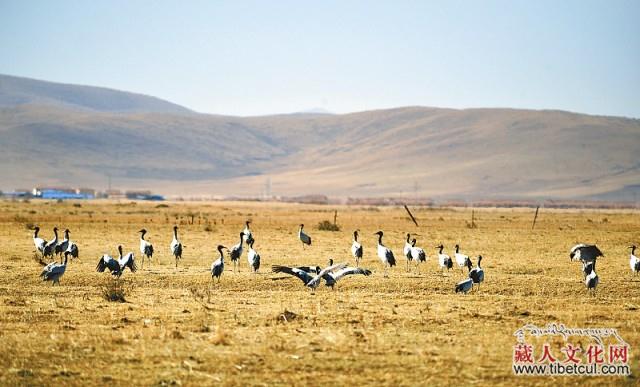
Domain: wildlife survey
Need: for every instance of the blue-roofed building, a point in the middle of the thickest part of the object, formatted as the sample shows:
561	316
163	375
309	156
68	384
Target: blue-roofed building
63	193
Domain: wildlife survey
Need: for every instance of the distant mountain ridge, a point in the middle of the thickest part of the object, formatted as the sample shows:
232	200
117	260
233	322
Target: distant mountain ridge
144	142
15	91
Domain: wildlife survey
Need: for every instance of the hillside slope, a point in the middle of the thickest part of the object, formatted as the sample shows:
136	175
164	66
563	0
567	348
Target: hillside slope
15	91
472	153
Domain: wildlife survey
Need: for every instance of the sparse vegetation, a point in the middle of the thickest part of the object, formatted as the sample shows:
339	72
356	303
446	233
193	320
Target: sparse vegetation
325	225
115	290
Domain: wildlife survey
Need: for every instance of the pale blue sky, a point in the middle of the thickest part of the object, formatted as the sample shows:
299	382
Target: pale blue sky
263	57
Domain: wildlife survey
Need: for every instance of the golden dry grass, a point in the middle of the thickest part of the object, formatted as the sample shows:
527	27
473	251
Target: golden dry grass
409	329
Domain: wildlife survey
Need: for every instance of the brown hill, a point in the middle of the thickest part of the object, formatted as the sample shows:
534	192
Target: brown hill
472	153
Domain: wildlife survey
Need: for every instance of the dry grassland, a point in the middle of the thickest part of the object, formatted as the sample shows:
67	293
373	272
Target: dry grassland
409	329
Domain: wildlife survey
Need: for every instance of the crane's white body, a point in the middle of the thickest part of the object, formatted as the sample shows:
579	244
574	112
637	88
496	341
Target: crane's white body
38	242
254	259
356	248
461	259
54	271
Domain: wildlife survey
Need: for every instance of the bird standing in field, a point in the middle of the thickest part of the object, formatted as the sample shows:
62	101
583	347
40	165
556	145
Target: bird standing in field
176	245
253	257
50	247
304	238
62	246
356	248
585	253
38	242
54	271
146	248
461	259
217	267
444	261
236	252
385	254
634	262
248	235
72	247
591	280
406	251
477	273
464	286
417	254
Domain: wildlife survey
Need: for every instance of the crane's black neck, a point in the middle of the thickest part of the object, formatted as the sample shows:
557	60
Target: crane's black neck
408	237
355	236
380	239
633	248
37	230
440	247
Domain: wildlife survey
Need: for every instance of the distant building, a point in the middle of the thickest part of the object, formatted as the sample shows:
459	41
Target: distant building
114	194
63	193
143	195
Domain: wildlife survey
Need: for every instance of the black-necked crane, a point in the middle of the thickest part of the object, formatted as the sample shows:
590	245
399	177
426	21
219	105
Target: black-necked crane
73	250
444	261
217	267
253	257
116	266
62	246
477	273
126	260
236	252
176	246
146	248
406	251
464	286
461	259
591	280
304	238
311	281
417	254
585	253
248	235
386	255
331	278
54	271
356	248
50	247
38	242
634	262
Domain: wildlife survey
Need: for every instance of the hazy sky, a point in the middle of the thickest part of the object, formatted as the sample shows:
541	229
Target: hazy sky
263	57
